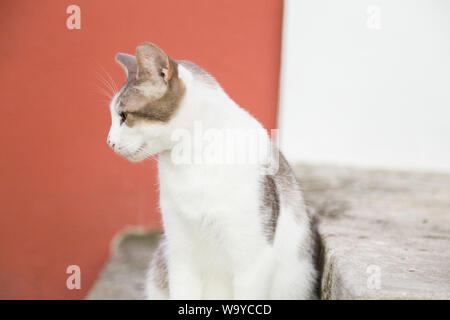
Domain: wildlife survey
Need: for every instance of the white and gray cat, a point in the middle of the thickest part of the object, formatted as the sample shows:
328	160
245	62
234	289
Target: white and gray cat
231	230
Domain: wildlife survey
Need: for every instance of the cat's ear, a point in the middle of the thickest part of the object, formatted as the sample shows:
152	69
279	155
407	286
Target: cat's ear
128	62
153	64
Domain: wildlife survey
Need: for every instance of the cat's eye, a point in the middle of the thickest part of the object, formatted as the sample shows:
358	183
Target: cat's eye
123	117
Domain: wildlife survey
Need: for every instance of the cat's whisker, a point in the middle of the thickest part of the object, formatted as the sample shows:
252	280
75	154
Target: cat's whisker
107	84
105	92
110	84
111	80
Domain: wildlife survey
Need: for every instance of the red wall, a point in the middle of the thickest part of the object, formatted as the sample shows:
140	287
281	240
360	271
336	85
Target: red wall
64	194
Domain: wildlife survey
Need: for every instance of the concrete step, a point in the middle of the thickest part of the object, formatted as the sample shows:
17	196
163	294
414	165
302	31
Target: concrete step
384	235
124	274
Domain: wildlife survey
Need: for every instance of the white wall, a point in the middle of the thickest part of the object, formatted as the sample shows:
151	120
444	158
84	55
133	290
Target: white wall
356	90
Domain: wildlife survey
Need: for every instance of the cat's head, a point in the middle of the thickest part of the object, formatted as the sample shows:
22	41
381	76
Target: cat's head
142	110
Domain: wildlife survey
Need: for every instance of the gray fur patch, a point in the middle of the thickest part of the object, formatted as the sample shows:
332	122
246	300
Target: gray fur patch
270	207
282	186
158	267
153	91
164	108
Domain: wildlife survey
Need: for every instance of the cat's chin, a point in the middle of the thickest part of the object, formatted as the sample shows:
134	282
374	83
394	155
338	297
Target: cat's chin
138	157
141	154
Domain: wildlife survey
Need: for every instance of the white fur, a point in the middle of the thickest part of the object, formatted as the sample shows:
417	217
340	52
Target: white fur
217	247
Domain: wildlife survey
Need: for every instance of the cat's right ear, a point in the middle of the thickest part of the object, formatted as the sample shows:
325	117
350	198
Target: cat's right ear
128	63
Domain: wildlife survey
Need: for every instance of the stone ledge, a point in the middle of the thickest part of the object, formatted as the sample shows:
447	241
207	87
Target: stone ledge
394	223
124	274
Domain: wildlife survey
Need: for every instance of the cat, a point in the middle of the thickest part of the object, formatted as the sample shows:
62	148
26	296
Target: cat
231	230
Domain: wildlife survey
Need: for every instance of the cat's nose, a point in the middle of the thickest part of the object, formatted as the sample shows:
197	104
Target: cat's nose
112	145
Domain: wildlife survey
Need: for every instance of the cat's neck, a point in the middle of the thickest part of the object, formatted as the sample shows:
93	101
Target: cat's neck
205	111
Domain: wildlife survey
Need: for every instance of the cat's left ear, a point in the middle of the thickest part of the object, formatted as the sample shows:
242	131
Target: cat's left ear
154	65
128	63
